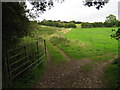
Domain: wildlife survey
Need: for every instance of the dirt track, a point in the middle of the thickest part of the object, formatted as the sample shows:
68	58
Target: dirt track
70	74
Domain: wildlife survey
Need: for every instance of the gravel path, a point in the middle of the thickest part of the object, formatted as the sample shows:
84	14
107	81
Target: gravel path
70	74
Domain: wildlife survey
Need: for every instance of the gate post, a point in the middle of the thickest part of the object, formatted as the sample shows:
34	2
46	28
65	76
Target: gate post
45	46
45	53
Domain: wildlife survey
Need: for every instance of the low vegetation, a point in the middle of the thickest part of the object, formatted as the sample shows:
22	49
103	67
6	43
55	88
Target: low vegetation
111	75
90	25
31	77
55	55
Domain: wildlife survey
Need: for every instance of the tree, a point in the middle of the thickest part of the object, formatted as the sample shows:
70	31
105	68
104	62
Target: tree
116	35
14	23
97	24
98	3
111	21
41	6
86	25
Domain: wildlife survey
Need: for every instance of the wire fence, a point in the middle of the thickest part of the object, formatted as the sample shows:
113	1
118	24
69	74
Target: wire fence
17	61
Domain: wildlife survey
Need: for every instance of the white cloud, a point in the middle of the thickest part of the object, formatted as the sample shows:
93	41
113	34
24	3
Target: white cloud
75	10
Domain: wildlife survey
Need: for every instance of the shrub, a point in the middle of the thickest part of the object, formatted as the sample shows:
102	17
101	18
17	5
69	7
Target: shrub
56	40
58	24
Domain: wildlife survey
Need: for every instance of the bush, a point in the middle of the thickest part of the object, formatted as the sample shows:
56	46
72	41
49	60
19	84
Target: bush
70	25
90	25
56	40
86	25
58	24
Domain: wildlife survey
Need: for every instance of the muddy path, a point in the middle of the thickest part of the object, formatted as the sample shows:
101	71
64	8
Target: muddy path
71	74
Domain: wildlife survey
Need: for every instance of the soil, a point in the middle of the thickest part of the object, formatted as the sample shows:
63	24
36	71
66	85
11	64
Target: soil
70	74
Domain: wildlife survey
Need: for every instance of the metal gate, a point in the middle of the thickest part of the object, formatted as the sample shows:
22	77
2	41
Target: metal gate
17	61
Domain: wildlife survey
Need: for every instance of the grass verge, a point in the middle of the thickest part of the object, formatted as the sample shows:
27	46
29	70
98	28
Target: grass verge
111	75
56	56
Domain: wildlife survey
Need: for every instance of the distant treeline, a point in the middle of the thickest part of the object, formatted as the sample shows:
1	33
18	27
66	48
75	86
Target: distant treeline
99	24
71	24
59	23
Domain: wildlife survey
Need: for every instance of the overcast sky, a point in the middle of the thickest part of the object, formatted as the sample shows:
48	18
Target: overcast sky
75	10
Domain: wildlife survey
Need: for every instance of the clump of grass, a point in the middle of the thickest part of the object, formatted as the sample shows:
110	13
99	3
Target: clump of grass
59	40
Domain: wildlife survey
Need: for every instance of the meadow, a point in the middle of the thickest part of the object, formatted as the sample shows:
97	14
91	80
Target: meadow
88	42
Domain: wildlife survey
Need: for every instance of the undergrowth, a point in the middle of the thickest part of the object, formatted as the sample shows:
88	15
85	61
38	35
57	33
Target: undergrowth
30	77
111	75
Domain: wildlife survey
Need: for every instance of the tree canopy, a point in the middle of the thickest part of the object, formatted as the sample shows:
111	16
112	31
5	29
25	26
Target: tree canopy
58	23
111	21
43	5
14	23
97	3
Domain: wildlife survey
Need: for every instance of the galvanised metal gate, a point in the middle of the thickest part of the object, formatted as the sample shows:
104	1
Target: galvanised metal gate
17	61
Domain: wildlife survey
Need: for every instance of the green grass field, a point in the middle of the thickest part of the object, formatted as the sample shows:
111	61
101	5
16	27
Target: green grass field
78	25
88	42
